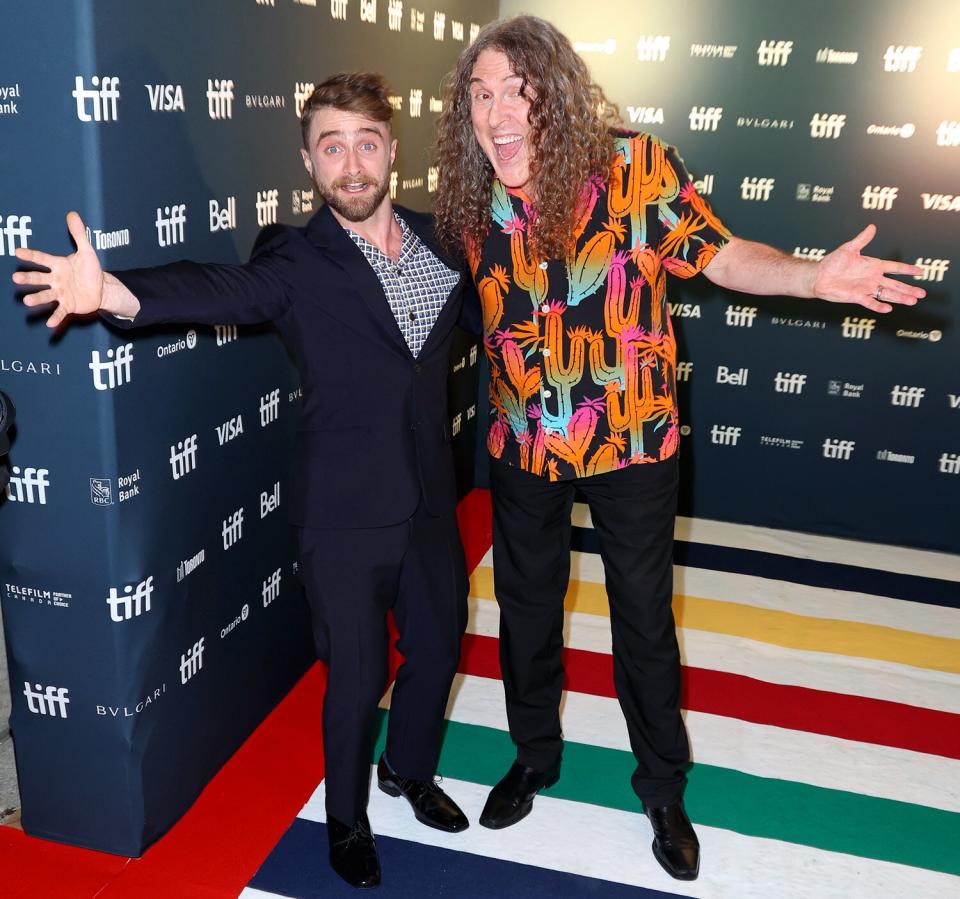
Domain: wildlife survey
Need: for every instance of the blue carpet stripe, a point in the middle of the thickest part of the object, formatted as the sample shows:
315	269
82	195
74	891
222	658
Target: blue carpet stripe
813	573
298	867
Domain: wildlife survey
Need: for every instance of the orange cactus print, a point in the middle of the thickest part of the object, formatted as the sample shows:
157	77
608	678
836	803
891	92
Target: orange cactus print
582	349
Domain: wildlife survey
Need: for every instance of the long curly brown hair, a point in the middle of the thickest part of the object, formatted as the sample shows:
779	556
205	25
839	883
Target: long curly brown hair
570	120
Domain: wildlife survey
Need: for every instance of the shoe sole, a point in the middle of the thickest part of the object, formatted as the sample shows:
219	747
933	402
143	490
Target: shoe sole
674	874
391	790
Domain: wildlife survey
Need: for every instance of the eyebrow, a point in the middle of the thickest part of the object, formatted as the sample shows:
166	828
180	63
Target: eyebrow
475	80
325	134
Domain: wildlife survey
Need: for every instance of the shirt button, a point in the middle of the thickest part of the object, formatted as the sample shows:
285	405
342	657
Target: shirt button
544	308
413	316
547	394
543	265
546	351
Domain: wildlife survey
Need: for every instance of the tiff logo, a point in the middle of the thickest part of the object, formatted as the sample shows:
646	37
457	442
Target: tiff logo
417	19
191	662
183	457
46	701
456	30
133	603
757	188
474	31
270	501
784	382
774	53
338	9
858	328
439	25
433	179
813	254
104	96
652	48
394	14
269	407
705	118
220	98
271	588
16	231
725	435
267	203
171	224
933	269
456	424
394	178
879	197
901	59
827	125
368	11
232	531
906	396
950	463
948	134
684	370
22	484
741	316
301	93
838	449
117	368
225	334
416	103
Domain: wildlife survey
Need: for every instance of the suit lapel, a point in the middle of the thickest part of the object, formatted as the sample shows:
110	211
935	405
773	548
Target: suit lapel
328	236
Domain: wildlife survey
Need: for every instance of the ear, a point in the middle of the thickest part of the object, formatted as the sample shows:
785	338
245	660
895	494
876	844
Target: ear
393	150
307	164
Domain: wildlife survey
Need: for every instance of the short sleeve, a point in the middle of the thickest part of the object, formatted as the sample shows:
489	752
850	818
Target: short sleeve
691	233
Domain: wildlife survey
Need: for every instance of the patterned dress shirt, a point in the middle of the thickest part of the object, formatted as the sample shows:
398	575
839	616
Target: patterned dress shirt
416	285
582	352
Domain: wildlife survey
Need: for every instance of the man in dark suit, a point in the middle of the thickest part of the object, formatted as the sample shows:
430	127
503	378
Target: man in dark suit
366	303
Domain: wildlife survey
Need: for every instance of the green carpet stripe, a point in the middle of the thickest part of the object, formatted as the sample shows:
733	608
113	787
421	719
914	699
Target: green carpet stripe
833	820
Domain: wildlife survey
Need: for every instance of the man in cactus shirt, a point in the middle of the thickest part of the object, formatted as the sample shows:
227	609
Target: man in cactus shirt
570	228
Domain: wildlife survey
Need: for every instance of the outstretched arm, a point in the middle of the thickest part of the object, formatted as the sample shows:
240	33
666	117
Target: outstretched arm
76	283
843	276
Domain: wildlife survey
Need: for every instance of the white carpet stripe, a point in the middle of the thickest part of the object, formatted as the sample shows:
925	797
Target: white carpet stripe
899	559
755	749
764	661
614	845
251	893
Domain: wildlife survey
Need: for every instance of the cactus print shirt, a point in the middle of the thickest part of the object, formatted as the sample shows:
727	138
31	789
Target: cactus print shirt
582	352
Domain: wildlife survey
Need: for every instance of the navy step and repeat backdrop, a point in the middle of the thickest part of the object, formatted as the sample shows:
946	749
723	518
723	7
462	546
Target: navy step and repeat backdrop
150	597
802	123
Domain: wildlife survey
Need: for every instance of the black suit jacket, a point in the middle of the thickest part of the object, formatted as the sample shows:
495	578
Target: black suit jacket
374	429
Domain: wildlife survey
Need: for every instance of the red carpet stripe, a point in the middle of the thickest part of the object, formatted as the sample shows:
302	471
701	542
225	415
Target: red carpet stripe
736	696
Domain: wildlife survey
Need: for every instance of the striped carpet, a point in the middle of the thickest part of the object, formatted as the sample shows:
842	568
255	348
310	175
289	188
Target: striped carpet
821	696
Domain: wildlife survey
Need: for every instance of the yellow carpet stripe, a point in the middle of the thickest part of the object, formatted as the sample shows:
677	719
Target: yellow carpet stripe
847	638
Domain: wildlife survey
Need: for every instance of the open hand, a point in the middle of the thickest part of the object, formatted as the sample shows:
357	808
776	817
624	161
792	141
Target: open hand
845	276
74	282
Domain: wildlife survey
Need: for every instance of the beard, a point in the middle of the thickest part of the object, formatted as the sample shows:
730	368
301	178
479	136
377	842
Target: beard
353	209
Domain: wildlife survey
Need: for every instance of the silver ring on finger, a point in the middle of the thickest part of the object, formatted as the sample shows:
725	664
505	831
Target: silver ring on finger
878	294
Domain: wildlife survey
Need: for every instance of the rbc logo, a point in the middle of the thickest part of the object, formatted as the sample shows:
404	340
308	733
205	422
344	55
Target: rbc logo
103	97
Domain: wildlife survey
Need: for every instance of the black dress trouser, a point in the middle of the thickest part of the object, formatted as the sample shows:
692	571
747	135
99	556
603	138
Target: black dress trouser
633	511
352	578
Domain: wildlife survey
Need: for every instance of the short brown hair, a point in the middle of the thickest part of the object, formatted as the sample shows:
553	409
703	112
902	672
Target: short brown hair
365	93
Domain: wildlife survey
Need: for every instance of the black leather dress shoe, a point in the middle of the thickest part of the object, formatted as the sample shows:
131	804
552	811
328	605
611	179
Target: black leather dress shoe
511	799
430	804
353	852
675	845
